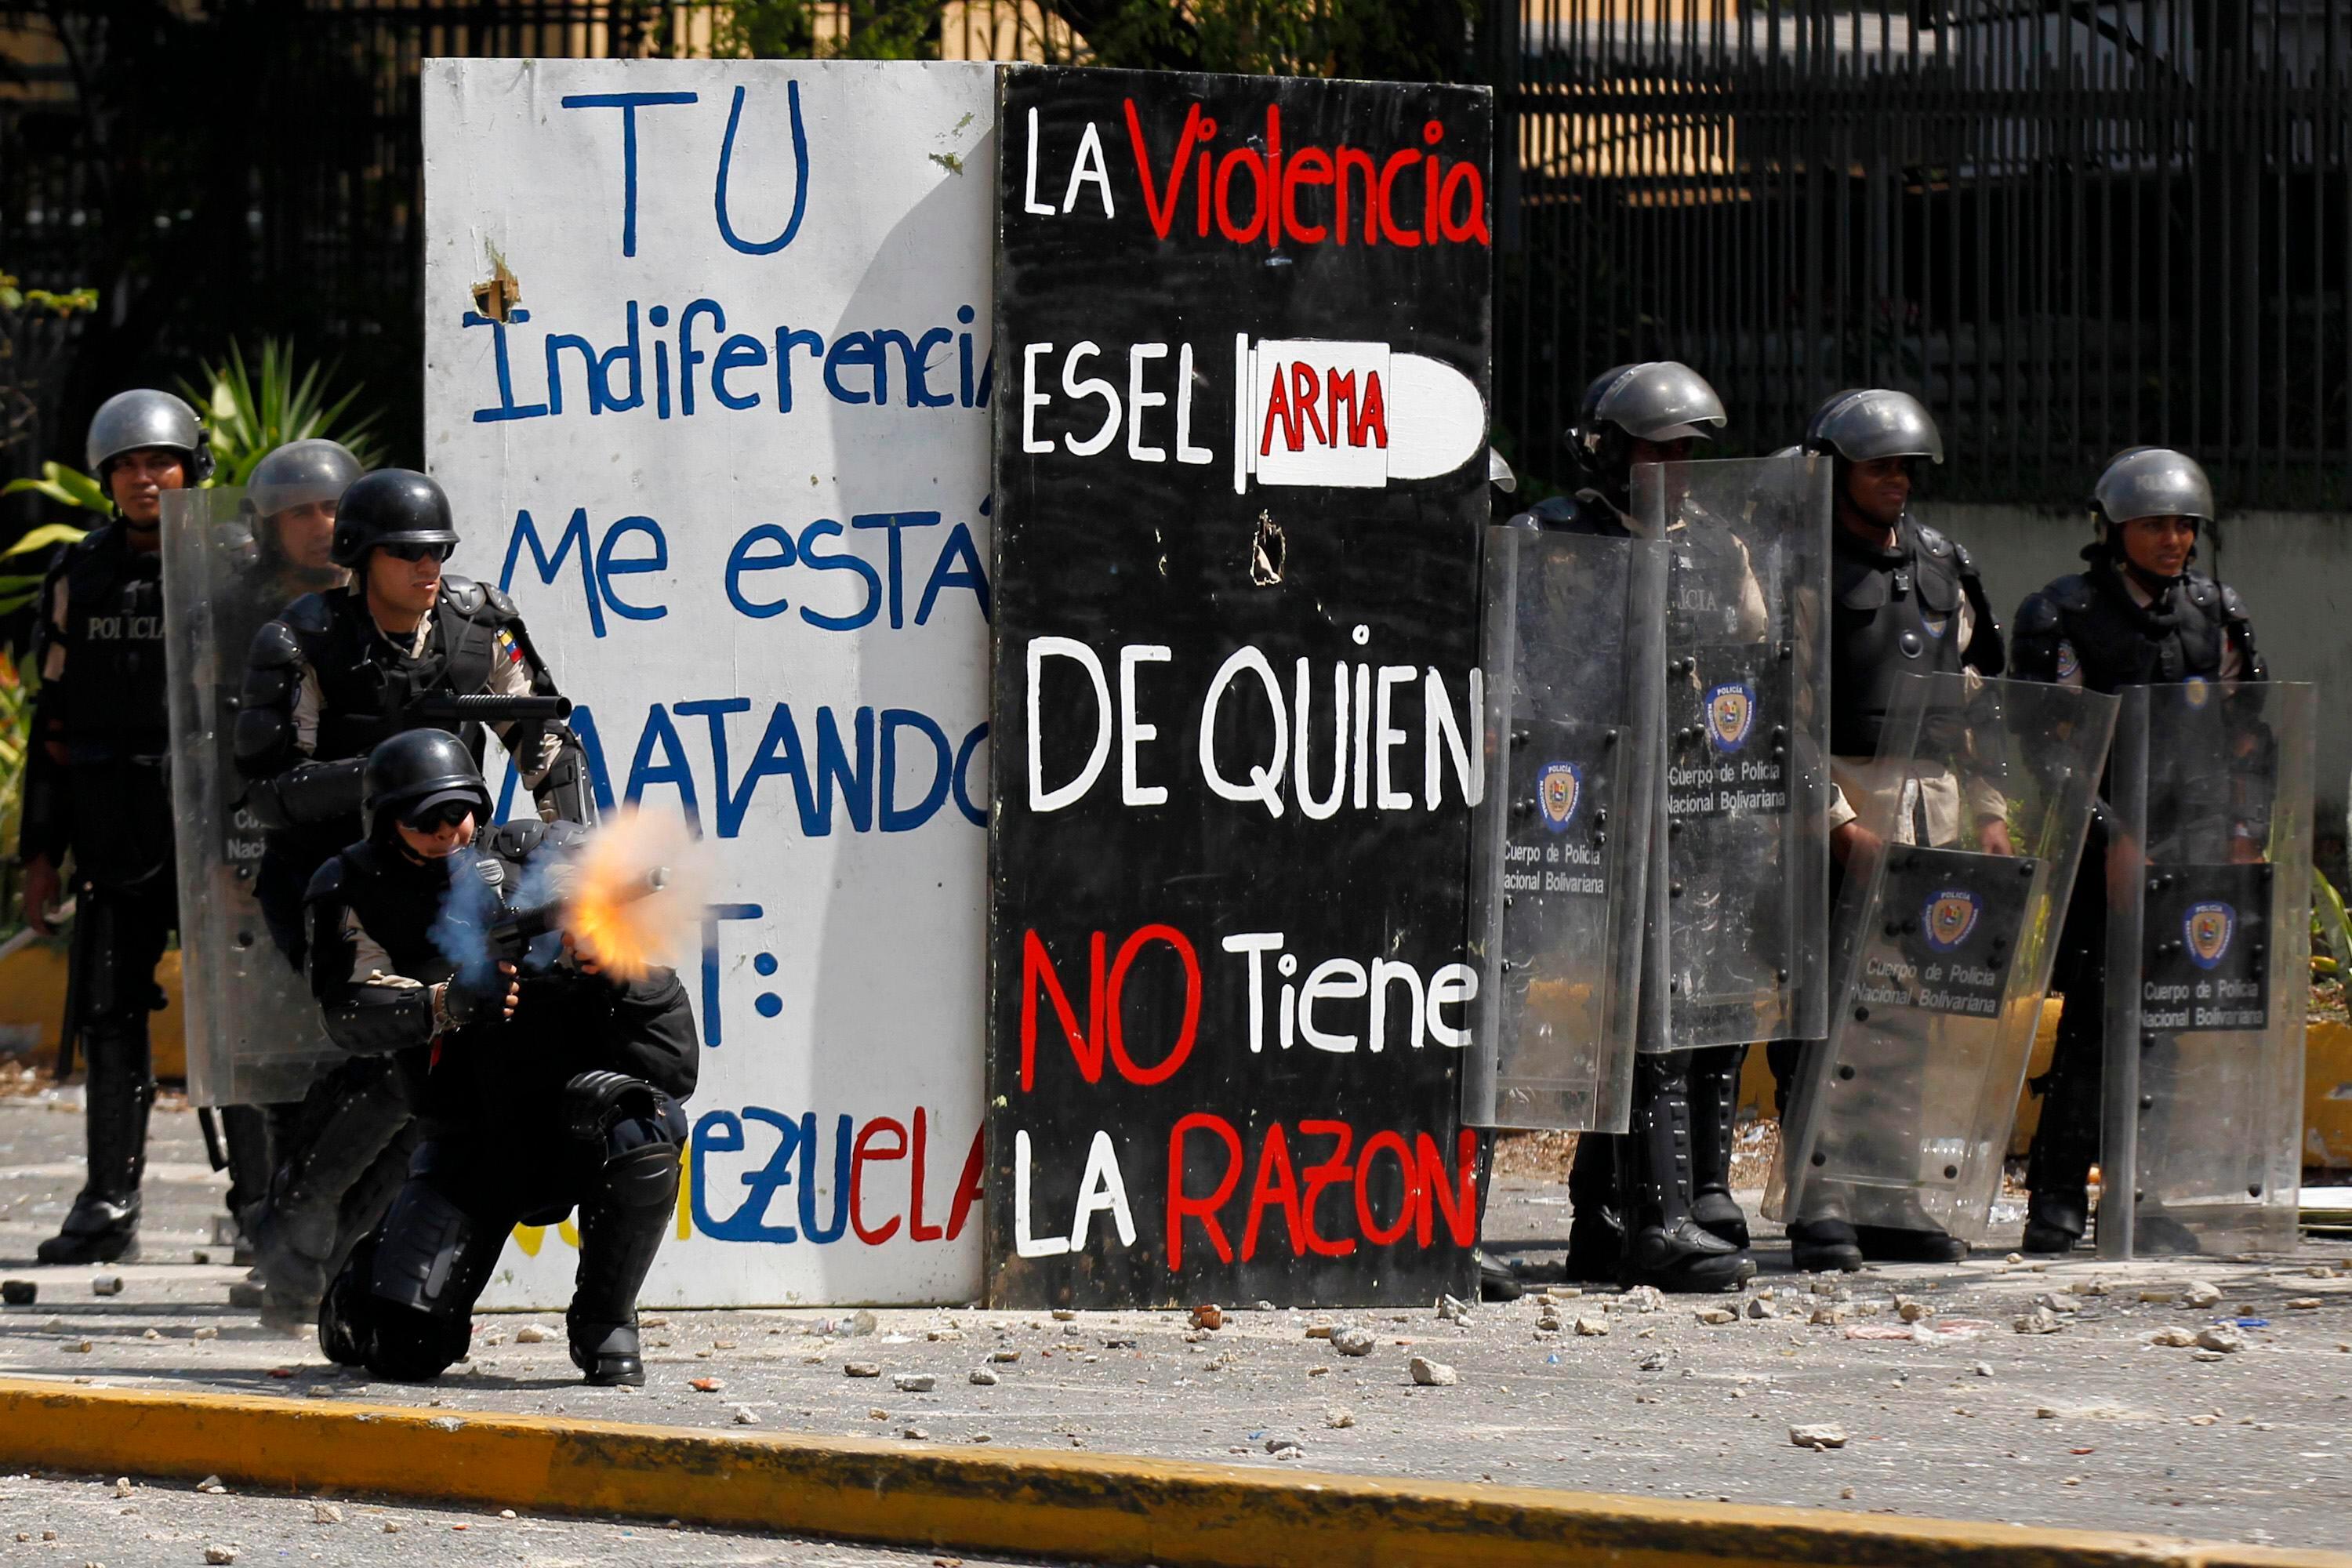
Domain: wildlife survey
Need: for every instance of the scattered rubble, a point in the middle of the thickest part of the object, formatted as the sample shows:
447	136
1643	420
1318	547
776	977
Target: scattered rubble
1433	1373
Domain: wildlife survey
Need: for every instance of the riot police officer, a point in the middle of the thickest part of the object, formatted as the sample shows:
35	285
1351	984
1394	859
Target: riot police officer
95	787
2138	615
1655	1205
1905	600
289	508
538	1090
333	675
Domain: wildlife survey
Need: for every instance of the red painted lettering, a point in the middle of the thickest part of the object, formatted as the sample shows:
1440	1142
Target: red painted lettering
916	1229
1309	167
1461	1214
1161	209
1374	424
1278	1185
1372	1230
1333	1170
863	1151
1186	1032
967	1196
1086	1047
1387	206
1204	1209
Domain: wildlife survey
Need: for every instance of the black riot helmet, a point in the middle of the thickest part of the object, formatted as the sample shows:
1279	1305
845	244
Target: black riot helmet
414	772
1657	400
390	506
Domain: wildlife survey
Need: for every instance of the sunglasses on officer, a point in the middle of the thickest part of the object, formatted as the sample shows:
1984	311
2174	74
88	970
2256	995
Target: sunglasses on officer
409	550
446	813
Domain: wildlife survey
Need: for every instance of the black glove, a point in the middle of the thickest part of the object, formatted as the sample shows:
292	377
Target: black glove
466	1004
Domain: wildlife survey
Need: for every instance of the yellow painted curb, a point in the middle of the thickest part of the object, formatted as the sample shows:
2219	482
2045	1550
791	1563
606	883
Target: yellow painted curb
1030	1502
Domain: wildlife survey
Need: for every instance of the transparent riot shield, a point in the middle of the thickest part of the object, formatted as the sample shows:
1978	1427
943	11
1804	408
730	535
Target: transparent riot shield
2209	964
1971	823
1740	872
253	1031
1573	649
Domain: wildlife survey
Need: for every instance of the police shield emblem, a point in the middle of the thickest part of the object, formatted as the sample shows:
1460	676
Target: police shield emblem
2195	690
1560	790
1730	715
1950	915
2207	929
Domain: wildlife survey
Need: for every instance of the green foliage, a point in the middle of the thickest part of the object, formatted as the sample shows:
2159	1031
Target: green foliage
829	29
251	415
2329	930
17	588
16	737
14	297
1411	40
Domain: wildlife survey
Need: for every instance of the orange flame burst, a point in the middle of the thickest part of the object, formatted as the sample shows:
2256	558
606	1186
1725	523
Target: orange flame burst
637	895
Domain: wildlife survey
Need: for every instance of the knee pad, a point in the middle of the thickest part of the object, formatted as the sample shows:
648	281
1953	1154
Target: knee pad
642	1176
411	1346
344	1310
432	1257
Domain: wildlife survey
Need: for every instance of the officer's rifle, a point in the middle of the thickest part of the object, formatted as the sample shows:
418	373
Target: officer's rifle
486	708
511	935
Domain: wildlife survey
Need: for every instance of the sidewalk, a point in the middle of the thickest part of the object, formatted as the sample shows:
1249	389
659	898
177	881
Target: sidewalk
1956	1416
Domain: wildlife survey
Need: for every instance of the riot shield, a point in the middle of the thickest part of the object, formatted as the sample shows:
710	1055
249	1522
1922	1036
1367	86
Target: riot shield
253	1031
1574	647
2208	962
1972	823
1739	874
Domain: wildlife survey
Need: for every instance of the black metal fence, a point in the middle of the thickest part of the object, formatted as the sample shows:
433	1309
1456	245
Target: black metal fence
2069	226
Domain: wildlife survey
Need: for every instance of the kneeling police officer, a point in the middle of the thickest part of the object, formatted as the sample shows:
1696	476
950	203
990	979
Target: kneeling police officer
404	646
536	1091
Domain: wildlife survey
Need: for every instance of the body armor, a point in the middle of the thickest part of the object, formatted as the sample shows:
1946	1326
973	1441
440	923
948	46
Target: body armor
111	803
1895	613
2090	622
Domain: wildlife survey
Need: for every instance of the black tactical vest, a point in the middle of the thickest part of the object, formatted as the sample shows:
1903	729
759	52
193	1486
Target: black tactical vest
2117	643
365	683
1895	613
114	704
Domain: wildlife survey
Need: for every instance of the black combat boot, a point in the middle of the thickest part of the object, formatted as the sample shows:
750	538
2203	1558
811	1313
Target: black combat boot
1664	1246
2055	1222
1596	1227
103	1225
1823	1247
621	1229
1715	1107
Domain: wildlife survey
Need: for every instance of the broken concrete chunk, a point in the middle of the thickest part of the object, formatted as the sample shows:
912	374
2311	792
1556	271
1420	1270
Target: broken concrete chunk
1592	1326
2174	1338
1433	1373
1912	1310
2039	1323
2220	1337
914	1383
1208	1315
1352	1342
1818	1436
1716	1315
2201	1293
531	1334
326	1513
983	1378
1760	1308
860	1369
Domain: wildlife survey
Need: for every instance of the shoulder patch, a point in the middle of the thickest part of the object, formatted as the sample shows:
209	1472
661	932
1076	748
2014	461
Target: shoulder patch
2070	663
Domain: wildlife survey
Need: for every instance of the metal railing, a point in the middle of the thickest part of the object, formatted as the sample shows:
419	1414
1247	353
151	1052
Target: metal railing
2070	227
